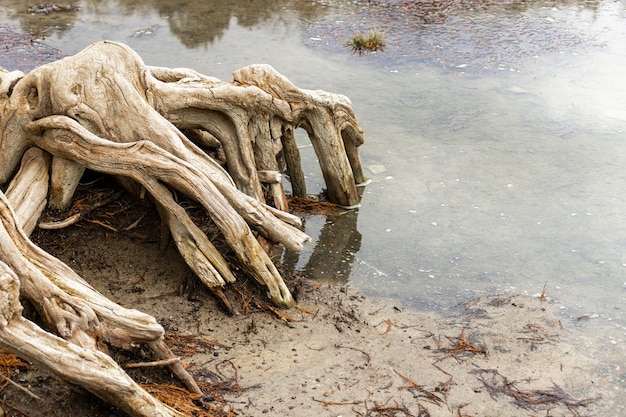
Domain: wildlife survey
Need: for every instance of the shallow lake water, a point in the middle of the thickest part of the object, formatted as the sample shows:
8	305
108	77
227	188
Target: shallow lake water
495	138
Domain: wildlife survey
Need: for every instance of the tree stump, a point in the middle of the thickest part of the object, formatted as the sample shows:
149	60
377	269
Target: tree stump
150	127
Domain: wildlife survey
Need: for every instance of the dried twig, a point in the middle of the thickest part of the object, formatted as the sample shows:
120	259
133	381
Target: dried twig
164	362
83	211
389	326
383	410
367	355
419	391
106	226
135	223
18	386
532	399
444	388
61	223
460	348
327	403
312	206
539	335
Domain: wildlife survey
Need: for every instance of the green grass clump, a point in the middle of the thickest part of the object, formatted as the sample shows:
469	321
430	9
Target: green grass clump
374	41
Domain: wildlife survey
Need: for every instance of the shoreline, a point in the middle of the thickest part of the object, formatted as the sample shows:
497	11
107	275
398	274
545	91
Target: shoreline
503	356
338	353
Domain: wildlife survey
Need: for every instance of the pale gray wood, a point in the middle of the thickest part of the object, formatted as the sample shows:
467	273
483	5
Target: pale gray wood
27	192
70	305
65	175
158	165
104	109
91	369
324	116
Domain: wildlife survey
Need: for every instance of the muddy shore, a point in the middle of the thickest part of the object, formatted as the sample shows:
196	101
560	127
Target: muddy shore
338	353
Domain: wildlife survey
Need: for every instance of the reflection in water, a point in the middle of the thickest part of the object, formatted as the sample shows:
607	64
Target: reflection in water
39	24
194	23
334	252
199	23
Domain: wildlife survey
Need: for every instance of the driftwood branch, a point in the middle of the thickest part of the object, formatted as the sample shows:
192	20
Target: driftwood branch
70	305
91	369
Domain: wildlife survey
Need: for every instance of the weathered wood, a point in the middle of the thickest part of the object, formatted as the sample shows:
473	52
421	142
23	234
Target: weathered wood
29	189
278	107
324	116
211	268
14	113
291	154
248	117
158	165
104	109
68	304
93	370
65	175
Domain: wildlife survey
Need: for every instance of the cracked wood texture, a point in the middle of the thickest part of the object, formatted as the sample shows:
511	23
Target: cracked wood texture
227	145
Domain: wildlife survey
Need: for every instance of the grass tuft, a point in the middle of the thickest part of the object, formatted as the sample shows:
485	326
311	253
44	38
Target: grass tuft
361	44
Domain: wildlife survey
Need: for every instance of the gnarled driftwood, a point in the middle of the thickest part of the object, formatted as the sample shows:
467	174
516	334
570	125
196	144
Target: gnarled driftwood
105	110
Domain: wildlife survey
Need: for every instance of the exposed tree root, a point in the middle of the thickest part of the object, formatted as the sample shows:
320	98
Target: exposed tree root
105	110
